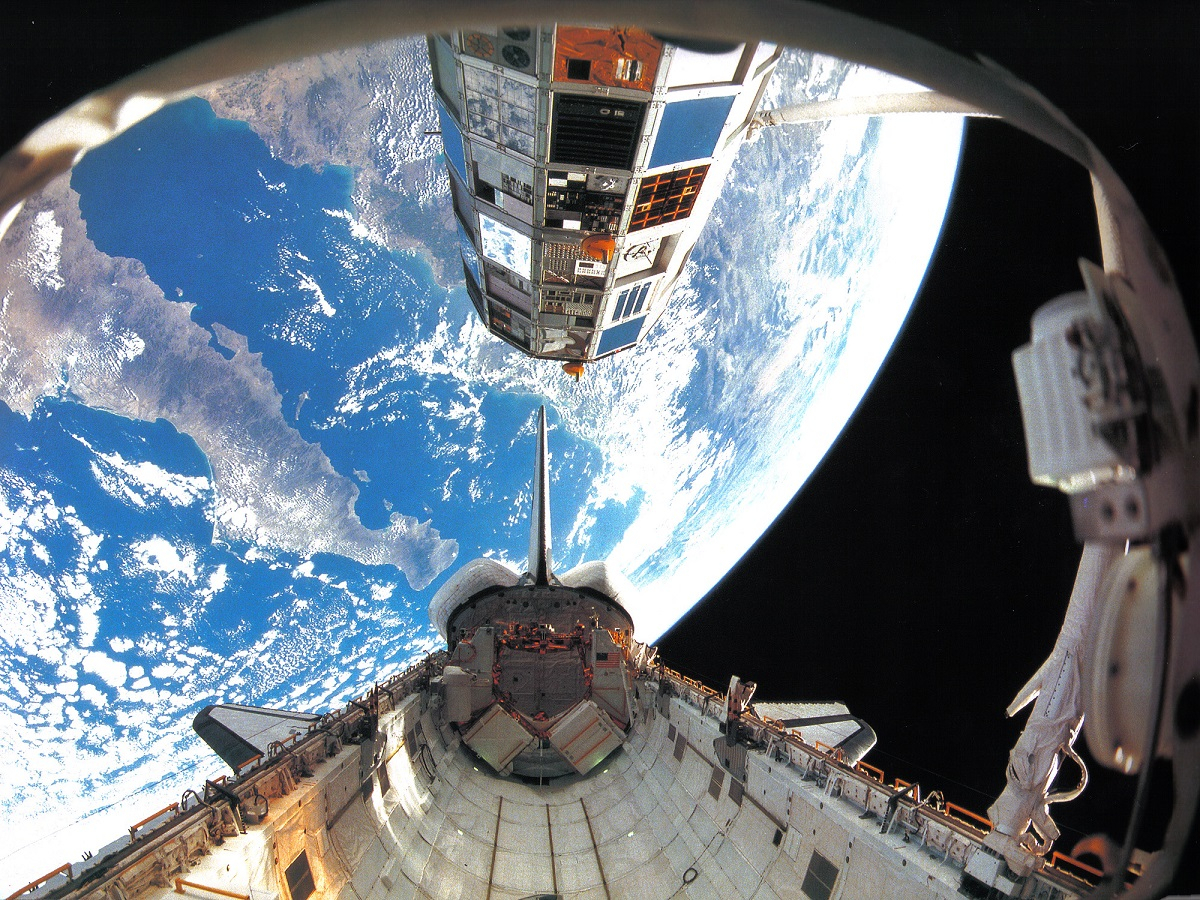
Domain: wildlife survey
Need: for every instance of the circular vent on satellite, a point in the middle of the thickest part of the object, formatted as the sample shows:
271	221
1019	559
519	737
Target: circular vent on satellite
518	34
515	56
479	45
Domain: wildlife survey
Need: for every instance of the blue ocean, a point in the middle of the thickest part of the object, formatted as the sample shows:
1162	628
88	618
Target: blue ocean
128	607
268	250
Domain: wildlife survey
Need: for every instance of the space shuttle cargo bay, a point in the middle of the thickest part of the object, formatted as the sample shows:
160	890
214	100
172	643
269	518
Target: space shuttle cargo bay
548	753
383	800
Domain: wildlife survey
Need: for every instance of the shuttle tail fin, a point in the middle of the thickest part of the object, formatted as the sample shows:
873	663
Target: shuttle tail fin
539	529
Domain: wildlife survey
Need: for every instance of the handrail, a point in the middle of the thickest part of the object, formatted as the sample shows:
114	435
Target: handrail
276	747
900	784
1057	856
183	800
871	770
834	753
951	808
180	884
251	761
65	867
150	818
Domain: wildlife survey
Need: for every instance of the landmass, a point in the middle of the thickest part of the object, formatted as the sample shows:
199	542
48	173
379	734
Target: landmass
358	108
73	319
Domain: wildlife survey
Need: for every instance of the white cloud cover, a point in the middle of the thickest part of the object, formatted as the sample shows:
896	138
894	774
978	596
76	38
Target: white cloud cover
160	555
137	482
41	264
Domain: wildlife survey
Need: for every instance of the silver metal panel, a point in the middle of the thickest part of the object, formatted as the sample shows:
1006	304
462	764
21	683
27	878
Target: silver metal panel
585	736
497	738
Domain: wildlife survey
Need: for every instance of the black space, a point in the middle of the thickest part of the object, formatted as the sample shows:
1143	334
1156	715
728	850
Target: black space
919	577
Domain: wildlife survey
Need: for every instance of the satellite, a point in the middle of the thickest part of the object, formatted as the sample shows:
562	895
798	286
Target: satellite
581	182
548	753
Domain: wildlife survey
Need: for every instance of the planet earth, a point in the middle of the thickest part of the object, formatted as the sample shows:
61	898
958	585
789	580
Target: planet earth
250	422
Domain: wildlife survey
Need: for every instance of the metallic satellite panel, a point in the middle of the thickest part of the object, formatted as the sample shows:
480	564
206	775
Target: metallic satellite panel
584	162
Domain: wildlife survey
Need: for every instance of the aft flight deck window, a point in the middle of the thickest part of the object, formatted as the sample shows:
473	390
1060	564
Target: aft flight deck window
820	878
300	878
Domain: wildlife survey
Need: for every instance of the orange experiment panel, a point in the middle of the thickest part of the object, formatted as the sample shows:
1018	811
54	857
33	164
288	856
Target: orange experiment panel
612	57
599	246
666	197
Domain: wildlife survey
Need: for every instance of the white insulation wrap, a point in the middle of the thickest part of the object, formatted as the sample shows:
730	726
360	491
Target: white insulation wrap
600	576
477	575
1053	724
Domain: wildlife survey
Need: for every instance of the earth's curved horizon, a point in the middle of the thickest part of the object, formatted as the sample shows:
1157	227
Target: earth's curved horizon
249	421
